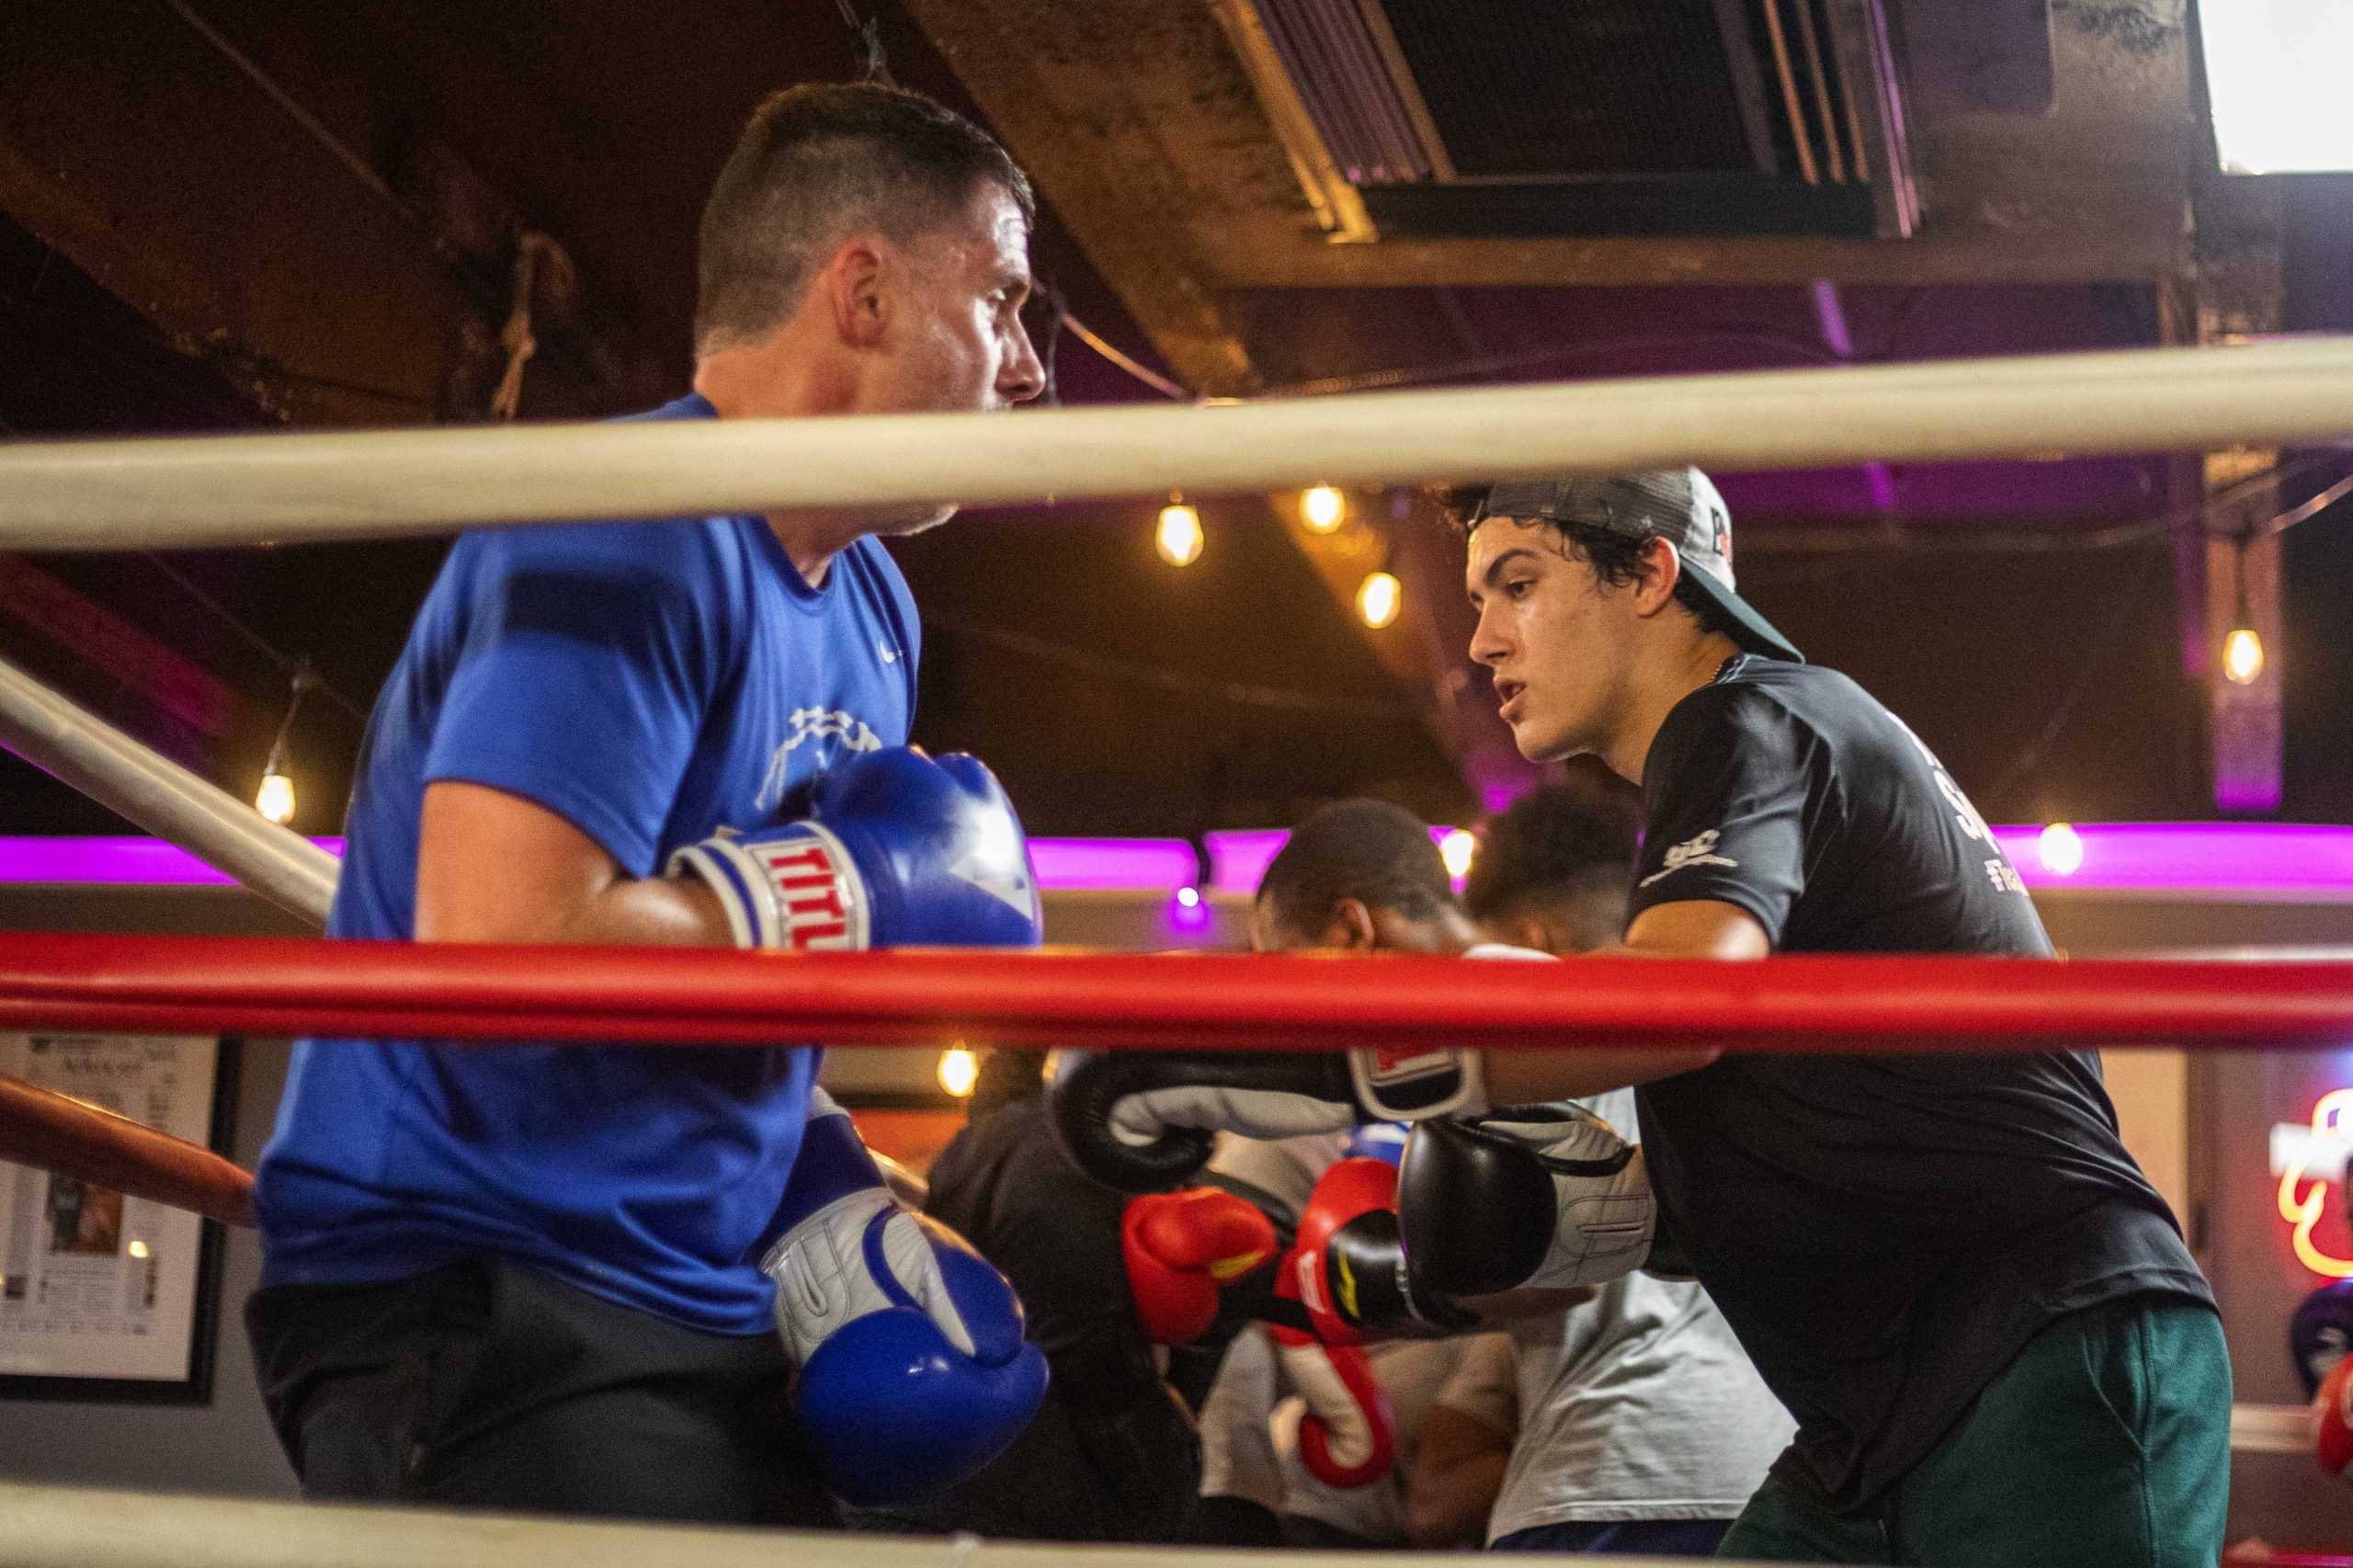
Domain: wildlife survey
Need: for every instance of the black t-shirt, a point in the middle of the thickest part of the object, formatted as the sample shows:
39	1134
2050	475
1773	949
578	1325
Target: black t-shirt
1883	1233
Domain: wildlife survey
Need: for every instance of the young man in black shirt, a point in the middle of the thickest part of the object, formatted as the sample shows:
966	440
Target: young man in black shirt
1995	1344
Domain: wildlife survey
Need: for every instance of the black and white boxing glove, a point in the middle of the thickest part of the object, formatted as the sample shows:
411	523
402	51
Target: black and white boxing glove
1544	1197
1143	1123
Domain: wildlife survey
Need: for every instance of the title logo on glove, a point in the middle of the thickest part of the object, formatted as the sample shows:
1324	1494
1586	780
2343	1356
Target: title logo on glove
817	907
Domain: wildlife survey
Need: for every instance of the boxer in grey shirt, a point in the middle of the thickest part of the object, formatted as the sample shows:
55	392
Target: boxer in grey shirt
1651	1415
1640	1424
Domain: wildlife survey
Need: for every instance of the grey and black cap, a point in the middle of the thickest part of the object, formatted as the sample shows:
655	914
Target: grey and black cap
1677	504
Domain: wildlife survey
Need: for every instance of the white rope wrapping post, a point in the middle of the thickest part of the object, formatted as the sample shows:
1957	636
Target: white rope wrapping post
166	799
67	1527
208	492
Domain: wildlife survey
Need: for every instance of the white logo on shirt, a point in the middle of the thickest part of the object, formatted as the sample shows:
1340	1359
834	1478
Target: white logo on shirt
819	724
1699	851
890	656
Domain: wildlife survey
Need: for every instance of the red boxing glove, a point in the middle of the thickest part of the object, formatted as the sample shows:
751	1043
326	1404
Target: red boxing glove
2332	1420
1180	1248
1346	1269
1349	1437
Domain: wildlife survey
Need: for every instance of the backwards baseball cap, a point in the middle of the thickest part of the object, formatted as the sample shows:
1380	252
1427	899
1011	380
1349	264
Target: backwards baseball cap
1677	504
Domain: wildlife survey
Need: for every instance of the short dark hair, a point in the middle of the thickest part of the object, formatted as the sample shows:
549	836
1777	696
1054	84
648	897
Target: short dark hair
816	163
1368	850
1616	558
1554	844
1005	1077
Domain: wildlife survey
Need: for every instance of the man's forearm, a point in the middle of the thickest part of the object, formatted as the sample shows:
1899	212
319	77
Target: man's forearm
1702	928
1532	1077
666	912
663	911
1449	1508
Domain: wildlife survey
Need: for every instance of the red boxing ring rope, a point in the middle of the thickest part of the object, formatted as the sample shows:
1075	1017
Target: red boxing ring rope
695	996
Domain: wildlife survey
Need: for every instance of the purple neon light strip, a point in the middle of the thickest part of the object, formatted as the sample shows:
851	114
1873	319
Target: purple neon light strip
1165	864
113	862
2245	856
2273	857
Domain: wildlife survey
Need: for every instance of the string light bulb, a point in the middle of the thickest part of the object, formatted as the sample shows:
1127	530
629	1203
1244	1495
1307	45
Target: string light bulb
2242	657
2242	649
1322	509
1178	537
1379	597
2061	848
1458	849
959	1070
275	798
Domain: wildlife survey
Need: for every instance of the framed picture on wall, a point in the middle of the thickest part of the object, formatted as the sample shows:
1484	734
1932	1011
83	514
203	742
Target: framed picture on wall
104	1297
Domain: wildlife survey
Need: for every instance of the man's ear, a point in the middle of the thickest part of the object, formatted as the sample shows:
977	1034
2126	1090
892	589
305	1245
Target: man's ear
1521	928
1351	926
855	292
1656	570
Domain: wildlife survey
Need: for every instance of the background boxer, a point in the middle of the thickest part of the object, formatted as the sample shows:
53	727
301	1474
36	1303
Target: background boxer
1641	1425
1949	1268
1635	1423
1254	1461
532	1277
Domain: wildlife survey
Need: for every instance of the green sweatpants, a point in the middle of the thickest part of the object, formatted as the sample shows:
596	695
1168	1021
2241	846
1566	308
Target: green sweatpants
2106	1443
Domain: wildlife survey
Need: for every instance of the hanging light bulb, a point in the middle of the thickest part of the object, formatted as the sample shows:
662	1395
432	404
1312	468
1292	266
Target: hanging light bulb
1379	597
1458	849
1178	538
2061	849
275	798
2242	657
2242	649
959	1070
1322	509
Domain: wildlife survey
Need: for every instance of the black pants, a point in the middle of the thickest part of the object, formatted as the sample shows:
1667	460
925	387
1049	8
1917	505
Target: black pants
484	1384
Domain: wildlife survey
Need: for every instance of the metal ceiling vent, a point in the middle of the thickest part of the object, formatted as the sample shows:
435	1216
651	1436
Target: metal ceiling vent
1585	117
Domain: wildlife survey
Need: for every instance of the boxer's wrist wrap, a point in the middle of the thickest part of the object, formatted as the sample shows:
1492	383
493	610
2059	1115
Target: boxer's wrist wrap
1414	1085
796	888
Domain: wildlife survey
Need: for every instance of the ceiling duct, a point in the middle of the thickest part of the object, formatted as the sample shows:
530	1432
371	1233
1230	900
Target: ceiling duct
1602	118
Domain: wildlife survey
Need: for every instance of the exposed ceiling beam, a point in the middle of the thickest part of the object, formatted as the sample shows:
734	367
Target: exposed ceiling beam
1132	152
2026	257
1141	127
135	150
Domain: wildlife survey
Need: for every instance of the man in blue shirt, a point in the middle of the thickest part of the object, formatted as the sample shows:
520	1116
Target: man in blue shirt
528	1276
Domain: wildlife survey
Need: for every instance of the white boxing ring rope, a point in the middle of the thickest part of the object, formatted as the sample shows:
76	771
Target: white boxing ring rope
205	492
47	1527
149	789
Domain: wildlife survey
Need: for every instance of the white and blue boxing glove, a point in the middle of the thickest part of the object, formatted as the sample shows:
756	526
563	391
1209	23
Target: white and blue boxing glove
912	1369
889	849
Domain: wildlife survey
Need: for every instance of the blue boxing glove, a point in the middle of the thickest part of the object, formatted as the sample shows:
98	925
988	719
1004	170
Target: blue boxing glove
914	1372
890	849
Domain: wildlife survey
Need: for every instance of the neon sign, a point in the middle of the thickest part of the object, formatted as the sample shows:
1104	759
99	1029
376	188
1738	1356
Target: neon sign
2294	1149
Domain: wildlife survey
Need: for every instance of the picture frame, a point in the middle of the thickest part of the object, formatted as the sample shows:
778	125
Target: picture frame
104	1298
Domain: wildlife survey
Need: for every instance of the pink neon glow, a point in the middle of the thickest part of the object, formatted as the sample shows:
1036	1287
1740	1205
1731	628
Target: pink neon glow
113	862
2260	858
2266	858
1114	863
1238	861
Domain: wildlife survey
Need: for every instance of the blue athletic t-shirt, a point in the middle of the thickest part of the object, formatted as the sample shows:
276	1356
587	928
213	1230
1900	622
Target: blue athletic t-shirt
650	682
